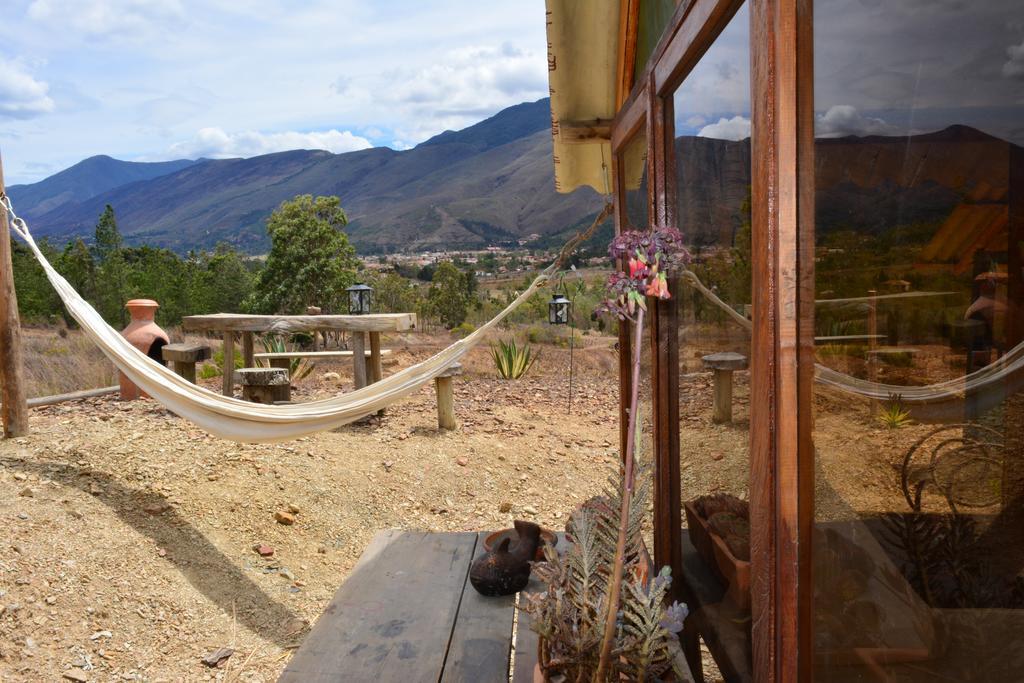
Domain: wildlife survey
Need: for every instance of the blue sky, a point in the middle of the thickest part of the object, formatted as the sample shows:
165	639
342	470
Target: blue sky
151	80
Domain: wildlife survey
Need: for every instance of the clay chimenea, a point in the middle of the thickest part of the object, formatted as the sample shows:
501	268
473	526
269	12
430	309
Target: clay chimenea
145	335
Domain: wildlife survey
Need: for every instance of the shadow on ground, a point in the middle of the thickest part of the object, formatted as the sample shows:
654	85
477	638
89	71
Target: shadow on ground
208	570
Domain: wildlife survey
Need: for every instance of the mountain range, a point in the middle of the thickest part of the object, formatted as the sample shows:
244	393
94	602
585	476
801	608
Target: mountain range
490	183
493	183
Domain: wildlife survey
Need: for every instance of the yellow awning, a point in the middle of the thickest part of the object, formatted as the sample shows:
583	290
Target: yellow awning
582	54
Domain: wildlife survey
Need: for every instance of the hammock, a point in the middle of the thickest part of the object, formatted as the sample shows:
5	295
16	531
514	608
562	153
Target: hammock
245	422
1008	365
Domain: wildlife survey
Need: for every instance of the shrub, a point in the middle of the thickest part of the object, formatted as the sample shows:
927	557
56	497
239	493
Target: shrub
298	368
511	360
895	415
463	330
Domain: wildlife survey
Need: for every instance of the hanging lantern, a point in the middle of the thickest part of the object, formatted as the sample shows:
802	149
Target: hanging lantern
558	310
360	297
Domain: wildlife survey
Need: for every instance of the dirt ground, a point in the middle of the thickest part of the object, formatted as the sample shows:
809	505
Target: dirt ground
128	534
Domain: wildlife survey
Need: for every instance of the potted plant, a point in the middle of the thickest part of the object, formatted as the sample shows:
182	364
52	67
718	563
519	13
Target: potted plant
603	615
719	527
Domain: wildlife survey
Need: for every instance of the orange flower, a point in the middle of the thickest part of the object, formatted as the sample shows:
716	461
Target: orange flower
658	287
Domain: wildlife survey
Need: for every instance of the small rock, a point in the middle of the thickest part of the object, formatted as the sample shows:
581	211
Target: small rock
218	657
505	507
95	489
77	514
717	456
27	492
161	552
530	510
286	573
462	462
388	464
100	634
330	377
284	518
20	476
263	550
294	509
75	675
157	508
322	550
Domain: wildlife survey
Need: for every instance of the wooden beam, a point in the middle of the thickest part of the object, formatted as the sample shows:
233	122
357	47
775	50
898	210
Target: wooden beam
781	401
14	410
240	322
629	23
73	396
585	132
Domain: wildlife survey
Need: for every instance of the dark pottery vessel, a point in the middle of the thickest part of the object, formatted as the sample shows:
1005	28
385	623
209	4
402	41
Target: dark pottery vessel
505	569
495	538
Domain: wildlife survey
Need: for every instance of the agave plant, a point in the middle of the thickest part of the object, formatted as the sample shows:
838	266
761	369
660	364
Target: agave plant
894	415
513	361
569	616
298	368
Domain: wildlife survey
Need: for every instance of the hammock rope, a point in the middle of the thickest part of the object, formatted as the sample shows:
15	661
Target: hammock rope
246	422
1007	365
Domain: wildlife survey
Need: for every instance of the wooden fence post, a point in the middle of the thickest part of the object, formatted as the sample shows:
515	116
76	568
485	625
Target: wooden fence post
14	409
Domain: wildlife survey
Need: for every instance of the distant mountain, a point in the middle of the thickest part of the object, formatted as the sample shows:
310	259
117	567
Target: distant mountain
865	184
487	184
492	183
87	179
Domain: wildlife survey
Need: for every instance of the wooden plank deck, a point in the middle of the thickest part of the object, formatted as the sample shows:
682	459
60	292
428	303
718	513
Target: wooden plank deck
408	613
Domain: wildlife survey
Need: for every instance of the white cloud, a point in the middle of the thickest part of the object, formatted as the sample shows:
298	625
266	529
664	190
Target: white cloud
216	143
696	121
844	119
1014	66
105	17
21	95
736	128
462	87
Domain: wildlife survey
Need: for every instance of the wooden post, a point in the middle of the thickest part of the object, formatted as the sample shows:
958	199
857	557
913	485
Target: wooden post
228	386
376	371
446	397
247	358
359	359
14	409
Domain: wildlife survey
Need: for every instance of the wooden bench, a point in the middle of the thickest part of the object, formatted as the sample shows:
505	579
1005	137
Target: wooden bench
283	359
407	612
184	357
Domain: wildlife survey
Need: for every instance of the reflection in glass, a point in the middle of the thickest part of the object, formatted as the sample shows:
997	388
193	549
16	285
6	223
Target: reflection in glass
633	167
919	413
712	149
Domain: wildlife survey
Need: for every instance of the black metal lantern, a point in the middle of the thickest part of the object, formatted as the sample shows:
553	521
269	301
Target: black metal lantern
558	310
360	297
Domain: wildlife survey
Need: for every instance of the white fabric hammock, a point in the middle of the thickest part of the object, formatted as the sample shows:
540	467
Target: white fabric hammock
1001	371
246	422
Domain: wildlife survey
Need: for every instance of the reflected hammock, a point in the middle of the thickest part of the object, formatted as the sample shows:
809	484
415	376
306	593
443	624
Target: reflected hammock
246	422
1001	370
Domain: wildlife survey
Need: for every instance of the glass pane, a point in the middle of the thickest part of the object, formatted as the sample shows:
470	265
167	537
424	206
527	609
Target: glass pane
919	413
633	166
712	121
654	18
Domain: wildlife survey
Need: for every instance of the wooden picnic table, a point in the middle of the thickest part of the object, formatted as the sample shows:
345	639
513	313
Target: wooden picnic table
360	326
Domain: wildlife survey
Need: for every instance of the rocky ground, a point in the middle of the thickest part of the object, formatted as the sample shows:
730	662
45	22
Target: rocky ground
134	544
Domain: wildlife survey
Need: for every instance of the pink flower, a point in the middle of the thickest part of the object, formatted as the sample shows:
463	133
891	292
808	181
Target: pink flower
658	287
636	268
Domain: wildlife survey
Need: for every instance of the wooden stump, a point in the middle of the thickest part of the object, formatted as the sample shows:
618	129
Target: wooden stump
443	384
183	358
265	385
723	365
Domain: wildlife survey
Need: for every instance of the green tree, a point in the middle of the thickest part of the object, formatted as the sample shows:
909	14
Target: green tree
108	249
37	300
395	294
449	296
310	262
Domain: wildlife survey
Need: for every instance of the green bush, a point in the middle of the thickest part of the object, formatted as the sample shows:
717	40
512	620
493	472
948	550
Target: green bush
463	330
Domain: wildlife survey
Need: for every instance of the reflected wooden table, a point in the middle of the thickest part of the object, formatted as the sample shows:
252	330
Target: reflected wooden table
360	326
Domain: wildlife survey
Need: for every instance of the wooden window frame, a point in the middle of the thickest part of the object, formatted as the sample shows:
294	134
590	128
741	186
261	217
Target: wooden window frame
782	344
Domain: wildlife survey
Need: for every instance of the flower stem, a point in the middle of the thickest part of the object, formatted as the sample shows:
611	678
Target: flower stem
615	584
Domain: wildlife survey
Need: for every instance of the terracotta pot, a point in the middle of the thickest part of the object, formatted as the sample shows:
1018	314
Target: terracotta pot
145	335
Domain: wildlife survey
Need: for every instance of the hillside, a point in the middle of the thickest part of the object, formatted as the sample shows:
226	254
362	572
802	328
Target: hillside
490	183
86	179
